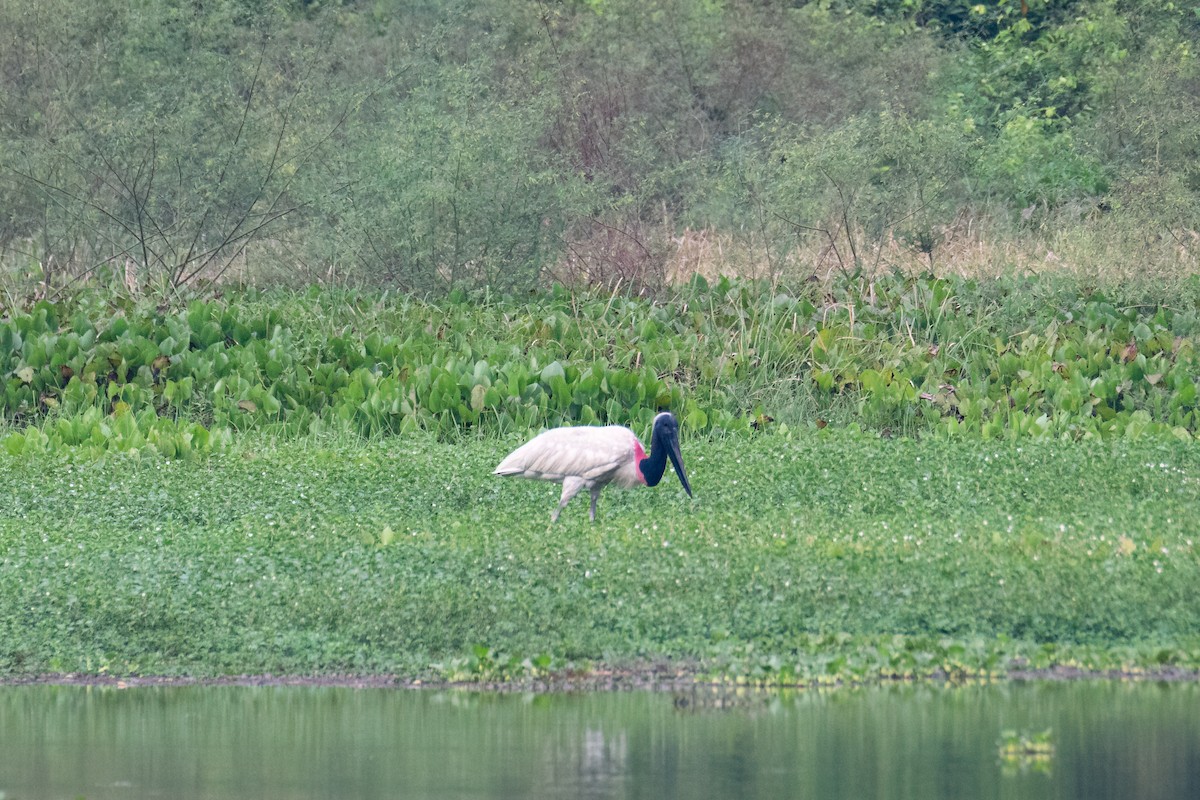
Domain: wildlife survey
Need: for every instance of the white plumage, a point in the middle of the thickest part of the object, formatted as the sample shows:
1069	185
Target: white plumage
593	457
600	455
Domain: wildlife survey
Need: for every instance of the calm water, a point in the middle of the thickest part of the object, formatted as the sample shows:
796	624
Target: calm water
1113	741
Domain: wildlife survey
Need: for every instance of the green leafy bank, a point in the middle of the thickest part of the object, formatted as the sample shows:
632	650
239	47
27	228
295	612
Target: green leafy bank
946	357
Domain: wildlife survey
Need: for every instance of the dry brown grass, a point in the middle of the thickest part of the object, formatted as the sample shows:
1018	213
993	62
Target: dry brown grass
639	256
1089	249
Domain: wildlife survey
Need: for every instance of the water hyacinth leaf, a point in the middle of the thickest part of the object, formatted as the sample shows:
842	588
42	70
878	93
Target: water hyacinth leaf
270	403
14	444
10	339
1185	396
483	373
872	381
614	413
588	385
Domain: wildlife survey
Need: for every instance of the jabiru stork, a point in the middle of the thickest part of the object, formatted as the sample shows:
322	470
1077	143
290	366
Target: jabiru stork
591	457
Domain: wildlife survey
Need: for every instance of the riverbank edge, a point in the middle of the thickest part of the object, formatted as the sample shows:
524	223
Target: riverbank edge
658	677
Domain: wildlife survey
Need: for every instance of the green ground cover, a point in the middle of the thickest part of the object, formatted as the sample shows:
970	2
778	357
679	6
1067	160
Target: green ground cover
816	557
905	476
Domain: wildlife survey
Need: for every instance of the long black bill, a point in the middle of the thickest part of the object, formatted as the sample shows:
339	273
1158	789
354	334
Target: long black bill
677	462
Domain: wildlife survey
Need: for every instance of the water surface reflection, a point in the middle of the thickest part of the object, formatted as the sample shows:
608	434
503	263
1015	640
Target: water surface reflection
1113	741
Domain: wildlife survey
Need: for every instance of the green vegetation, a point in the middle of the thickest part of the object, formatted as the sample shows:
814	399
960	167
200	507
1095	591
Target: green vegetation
302	482
944	357
503	143
825	557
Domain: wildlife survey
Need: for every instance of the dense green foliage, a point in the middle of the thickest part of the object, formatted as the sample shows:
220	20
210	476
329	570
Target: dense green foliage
501	142
301	482
935	356
830	556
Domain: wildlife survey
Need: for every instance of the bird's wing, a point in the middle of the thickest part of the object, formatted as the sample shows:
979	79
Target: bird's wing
592	453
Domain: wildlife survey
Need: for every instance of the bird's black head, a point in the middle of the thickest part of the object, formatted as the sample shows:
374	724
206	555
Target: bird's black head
664	444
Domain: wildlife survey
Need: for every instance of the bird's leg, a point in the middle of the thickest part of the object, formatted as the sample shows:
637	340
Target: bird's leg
571	487
595	497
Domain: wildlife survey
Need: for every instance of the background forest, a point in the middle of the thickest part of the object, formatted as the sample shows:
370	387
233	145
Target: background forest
509	143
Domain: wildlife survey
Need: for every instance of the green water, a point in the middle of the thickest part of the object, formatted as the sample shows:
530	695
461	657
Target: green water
1112	741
